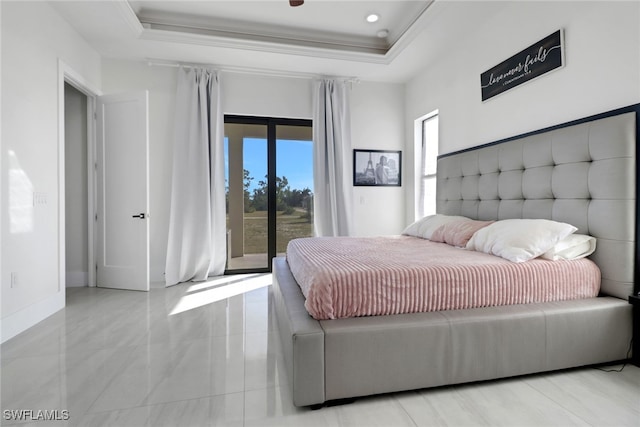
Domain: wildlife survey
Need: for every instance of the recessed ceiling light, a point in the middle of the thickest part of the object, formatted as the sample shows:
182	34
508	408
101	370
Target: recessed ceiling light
372	17
383	33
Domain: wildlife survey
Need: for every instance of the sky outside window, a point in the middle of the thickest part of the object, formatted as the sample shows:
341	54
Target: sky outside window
295	162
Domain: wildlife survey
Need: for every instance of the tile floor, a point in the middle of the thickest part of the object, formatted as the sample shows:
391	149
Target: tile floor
208	354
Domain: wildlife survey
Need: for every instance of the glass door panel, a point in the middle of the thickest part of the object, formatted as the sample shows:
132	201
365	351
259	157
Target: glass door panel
294	184
247	202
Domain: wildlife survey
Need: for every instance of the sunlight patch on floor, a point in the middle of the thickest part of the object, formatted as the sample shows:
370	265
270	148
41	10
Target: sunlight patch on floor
219	289
221	281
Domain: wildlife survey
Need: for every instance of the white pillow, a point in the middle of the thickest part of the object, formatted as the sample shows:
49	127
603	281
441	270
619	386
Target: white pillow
412	229
519	240
425	227
574	246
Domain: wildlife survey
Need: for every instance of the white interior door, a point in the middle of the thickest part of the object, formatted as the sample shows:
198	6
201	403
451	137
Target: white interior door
122	250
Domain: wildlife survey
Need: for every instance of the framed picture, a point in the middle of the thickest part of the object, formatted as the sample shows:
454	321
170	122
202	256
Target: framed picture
377	168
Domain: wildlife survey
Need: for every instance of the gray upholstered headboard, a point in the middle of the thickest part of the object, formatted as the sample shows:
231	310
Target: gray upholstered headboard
582	173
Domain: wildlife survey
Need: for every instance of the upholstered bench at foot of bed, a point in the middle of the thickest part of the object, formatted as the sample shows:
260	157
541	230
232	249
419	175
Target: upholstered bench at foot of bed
372	355
337	359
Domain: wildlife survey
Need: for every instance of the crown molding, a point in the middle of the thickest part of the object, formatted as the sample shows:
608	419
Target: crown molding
245	30
409	34
319	50
130	18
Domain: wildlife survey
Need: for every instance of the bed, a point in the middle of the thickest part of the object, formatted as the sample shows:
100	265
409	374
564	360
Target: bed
581	173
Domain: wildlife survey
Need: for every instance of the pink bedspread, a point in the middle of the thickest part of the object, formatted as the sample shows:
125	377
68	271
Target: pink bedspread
349	276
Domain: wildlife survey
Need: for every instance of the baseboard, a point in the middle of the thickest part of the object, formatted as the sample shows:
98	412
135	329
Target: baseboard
156	273
77	279
15	323
157	285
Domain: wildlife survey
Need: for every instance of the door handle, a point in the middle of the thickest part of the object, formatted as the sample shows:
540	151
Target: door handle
141	216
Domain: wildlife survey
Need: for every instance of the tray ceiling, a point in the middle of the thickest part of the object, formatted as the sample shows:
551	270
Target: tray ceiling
321	37
329	25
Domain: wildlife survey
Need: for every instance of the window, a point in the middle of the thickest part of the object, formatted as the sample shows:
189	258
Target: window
427	153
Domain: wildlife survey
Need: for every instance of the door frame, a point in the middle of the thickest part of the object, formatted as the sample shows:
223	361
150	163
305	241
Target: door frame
271	123
68	75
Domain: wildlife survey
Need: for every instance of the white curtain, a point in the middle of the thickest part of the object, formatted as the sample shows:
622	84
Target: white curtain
332	158
197	228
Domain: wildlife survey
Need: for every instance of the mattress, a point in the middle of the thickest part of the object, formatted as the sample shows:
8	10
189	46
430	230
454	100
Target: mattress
344	277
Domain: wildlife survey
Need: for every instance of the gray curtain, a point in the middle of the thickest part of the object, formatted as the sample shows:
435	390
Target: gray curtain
197	228
332	158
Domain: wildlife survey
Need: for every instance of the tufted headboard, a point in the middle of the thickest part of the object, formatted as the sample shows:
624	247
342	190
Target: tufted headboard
582	173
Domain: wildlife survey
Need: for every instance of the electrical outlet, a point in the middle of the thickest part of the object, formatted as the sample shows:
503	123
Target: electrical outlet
14	279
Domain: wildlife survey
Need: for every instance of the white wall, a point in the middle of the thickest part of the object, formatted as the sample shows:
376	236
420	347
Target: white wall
602	72
377	122
34	38
76	196
254	95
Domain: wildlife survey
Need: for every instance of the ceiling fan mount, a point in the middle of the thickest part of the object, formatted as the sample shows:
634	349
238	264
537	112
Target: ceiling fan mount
294	3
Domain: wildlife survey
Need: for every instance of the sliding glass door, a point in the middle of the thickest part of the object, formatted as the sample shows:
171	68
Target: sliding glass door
269	170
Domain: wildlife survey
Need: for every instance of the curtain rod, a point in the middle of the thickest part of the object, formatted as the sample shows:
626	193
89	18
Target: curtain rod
247	70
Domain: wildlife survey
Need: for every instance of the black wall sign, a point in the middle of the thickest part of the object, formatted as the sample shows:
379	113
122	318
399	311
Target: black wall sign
532	62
